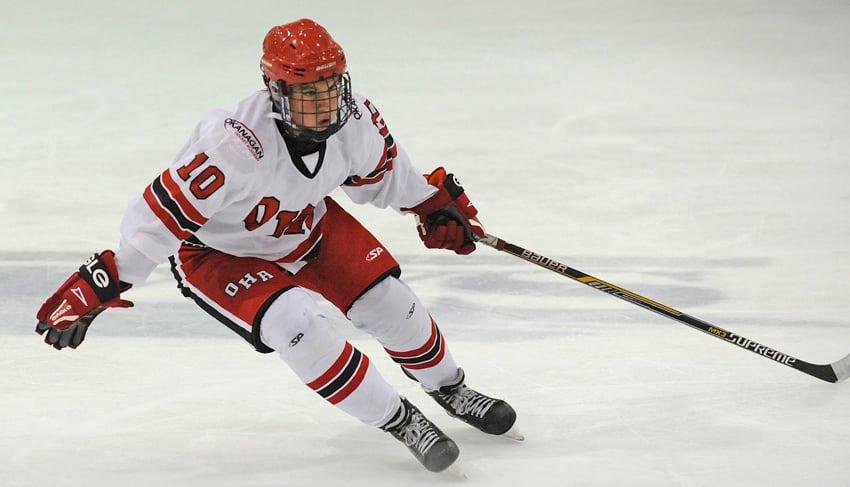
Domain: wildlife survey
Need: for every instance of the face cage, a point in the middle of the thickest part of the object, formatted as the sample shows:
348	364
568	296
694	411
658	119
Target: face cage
346	106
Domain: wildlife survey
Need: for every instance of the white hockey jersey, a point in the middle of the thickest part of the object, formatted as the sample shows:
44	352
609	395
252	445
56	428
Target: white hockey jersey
235	187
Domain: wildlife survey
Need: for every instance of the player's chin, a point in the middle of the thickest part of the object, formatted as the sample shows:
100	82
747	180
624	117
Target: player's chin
318	127
323	125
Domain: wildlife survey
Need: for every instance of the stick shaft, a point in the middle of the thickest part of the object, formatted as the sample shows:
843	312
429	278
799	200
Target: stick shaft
834	372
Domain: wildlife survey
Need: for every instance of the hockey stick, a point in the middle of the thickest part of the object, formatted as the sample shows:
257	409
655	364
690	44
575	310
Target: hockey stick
834	372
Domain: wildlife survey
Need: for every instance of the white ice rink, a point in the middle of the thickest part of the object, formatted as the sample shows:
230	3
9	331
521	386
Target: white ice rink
695	152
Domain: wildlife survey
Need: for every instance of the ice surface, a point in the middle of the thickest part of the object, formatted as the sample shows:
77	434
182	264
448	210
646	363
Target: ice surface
693	152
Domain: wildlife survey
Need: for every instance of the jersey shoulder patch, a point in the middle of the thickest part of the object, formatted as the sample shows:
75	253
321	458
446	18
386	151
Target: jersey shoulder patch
244	135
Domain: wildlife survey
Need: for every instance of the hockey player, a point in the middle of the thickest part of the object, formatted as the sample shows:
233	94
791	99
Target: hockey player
244	217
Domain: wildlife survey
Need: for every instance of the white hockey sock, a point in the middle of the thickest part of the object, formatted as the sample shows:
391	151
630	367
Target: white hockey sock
295	328
393	314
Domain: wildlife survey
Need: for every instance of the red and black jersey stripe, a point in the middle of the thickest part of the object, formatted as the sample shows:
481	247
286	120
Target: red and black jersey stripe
384	166
343	377
306	247
426	356
170	205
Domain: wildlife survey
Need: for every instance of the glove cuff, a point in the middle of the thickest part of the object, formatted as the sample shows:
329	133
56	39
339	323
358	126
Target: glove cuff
100	272
435	202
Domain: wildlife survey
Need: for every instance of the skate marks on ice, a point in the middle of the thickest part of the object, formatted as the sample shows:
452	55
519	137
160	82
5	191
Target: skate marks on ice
160	310
529	302
591	389
487	286
473	291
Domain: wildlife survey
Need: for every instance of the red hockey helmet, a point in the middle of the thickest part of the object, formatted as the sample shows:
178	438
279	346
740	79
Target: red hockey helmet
301	52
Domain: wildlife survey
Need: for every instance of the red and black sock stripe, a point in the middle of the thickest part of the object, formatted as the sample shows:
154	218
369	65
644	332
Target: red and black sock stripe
426	356
343	377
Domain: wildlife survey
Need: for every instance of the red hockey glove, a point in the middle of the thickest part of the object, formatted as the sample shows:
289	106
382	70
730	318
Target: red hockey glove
67	314
447	220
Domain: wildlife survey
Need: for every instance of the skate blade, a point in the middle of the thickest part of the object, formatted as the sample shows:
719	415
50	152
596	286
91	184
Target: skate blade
514	434
455	471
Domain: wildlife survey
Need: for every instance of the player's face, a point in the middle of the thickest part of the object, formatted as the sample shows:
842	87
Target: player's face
315	106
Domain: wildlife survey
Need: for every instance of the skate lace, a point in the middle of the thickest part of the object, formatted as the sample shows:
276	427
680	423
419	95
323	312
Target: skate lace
466	401
418	434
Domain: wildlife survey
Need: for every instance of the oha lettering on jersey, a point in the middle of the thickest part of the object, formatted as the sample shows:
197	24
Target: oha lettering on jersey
246	135
248	280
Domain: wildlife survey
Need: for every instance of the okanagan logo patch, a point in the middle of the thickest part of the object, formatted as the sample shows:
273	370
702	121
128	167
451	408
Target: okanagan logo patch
247	137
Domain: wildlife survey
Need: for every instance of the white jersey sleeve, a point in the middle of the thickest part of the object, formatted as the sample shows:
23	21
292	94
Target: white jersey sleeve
204	178
385	175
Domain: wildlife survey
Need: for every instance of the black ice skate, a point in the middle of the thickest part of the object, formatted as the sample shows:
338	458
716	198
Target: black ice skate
492	416
429	445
